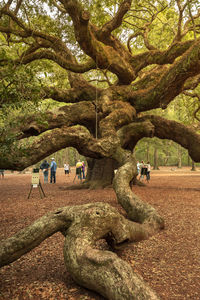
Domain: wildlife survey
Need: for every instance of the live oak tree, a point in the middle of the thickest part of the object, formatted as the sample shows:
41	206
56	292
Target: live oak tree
144	54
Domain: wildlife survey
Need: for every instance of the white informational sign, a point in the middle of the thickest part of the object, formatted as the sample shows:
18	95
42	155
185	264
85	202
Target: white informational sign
35	183
35	179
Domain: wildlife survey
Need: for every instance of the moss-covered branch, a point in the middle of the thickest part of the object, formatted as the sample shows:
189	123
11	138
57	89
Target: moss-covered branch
179	133
27	152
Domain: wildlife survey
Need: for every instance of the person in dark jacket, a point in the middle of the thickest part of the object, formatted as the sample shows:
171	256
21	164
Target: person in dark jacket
45	169
2	173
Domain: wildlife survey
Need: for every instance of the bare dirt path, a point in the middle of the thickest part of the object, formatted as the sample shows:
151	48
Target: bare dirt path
169	261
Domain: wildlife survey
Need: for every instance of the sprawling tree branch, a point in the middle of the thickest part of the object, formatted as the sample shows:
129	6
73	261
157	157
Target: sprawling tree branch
110	54
130	134
159	57
61	55
171	83
28	152
82	91
82	113
179	133
116	21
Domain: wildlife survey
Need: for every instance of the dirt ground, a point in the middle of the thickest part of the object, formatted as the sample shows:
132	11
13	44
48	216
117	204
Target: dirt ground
168	261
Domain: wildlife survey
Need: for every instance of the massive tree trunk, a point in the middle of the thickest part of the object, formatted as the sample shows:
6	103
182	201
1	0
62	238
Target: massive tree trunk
90	266
179	156
193	166
155	161
100	173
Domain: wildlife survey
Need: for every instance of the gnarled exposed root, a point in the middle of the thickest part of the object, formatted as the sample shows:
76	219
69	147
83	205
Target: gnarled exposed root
91	185
83	226
104	272
78	186
137	210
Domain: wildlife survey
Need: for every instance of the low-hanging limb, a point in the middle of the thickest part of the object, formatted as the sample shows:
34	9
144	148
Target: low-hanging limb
179	133
83	226
24	153
82	113
130	134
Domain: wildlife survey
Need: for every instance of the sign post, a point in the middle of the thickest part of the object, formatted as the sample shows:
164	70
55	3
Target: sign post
35	182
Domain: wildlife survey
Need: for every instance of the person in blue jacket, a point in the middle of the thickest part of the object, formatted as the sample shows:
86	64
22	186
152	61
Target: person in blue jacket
53	168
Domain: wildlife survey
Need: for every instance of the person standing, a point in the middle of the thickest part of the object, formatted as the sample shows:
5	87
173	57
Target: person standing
148	171
45	168
66	169
83	169
138	168
53	168
2	173
142	171
79	169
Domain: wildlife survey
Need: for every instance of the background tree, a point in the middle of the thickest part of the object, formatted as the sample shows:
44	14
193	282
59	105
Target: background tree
106	67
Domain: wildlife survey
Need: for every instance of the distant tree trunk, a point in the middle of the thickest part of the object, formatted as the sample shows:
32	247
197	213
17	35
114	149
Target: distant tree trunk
77	155
179	164
193	166
166	159
167	155
155	166
65	155
147	151
188	160
61	160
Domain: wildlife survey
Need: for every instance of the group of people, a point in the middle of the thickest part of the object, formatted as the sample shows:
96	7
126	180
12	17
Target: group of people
143	170
80	169
45	167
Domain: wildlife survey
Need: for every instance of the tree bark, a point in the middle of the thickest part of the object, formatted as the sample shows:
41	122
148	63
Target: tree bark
100	172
